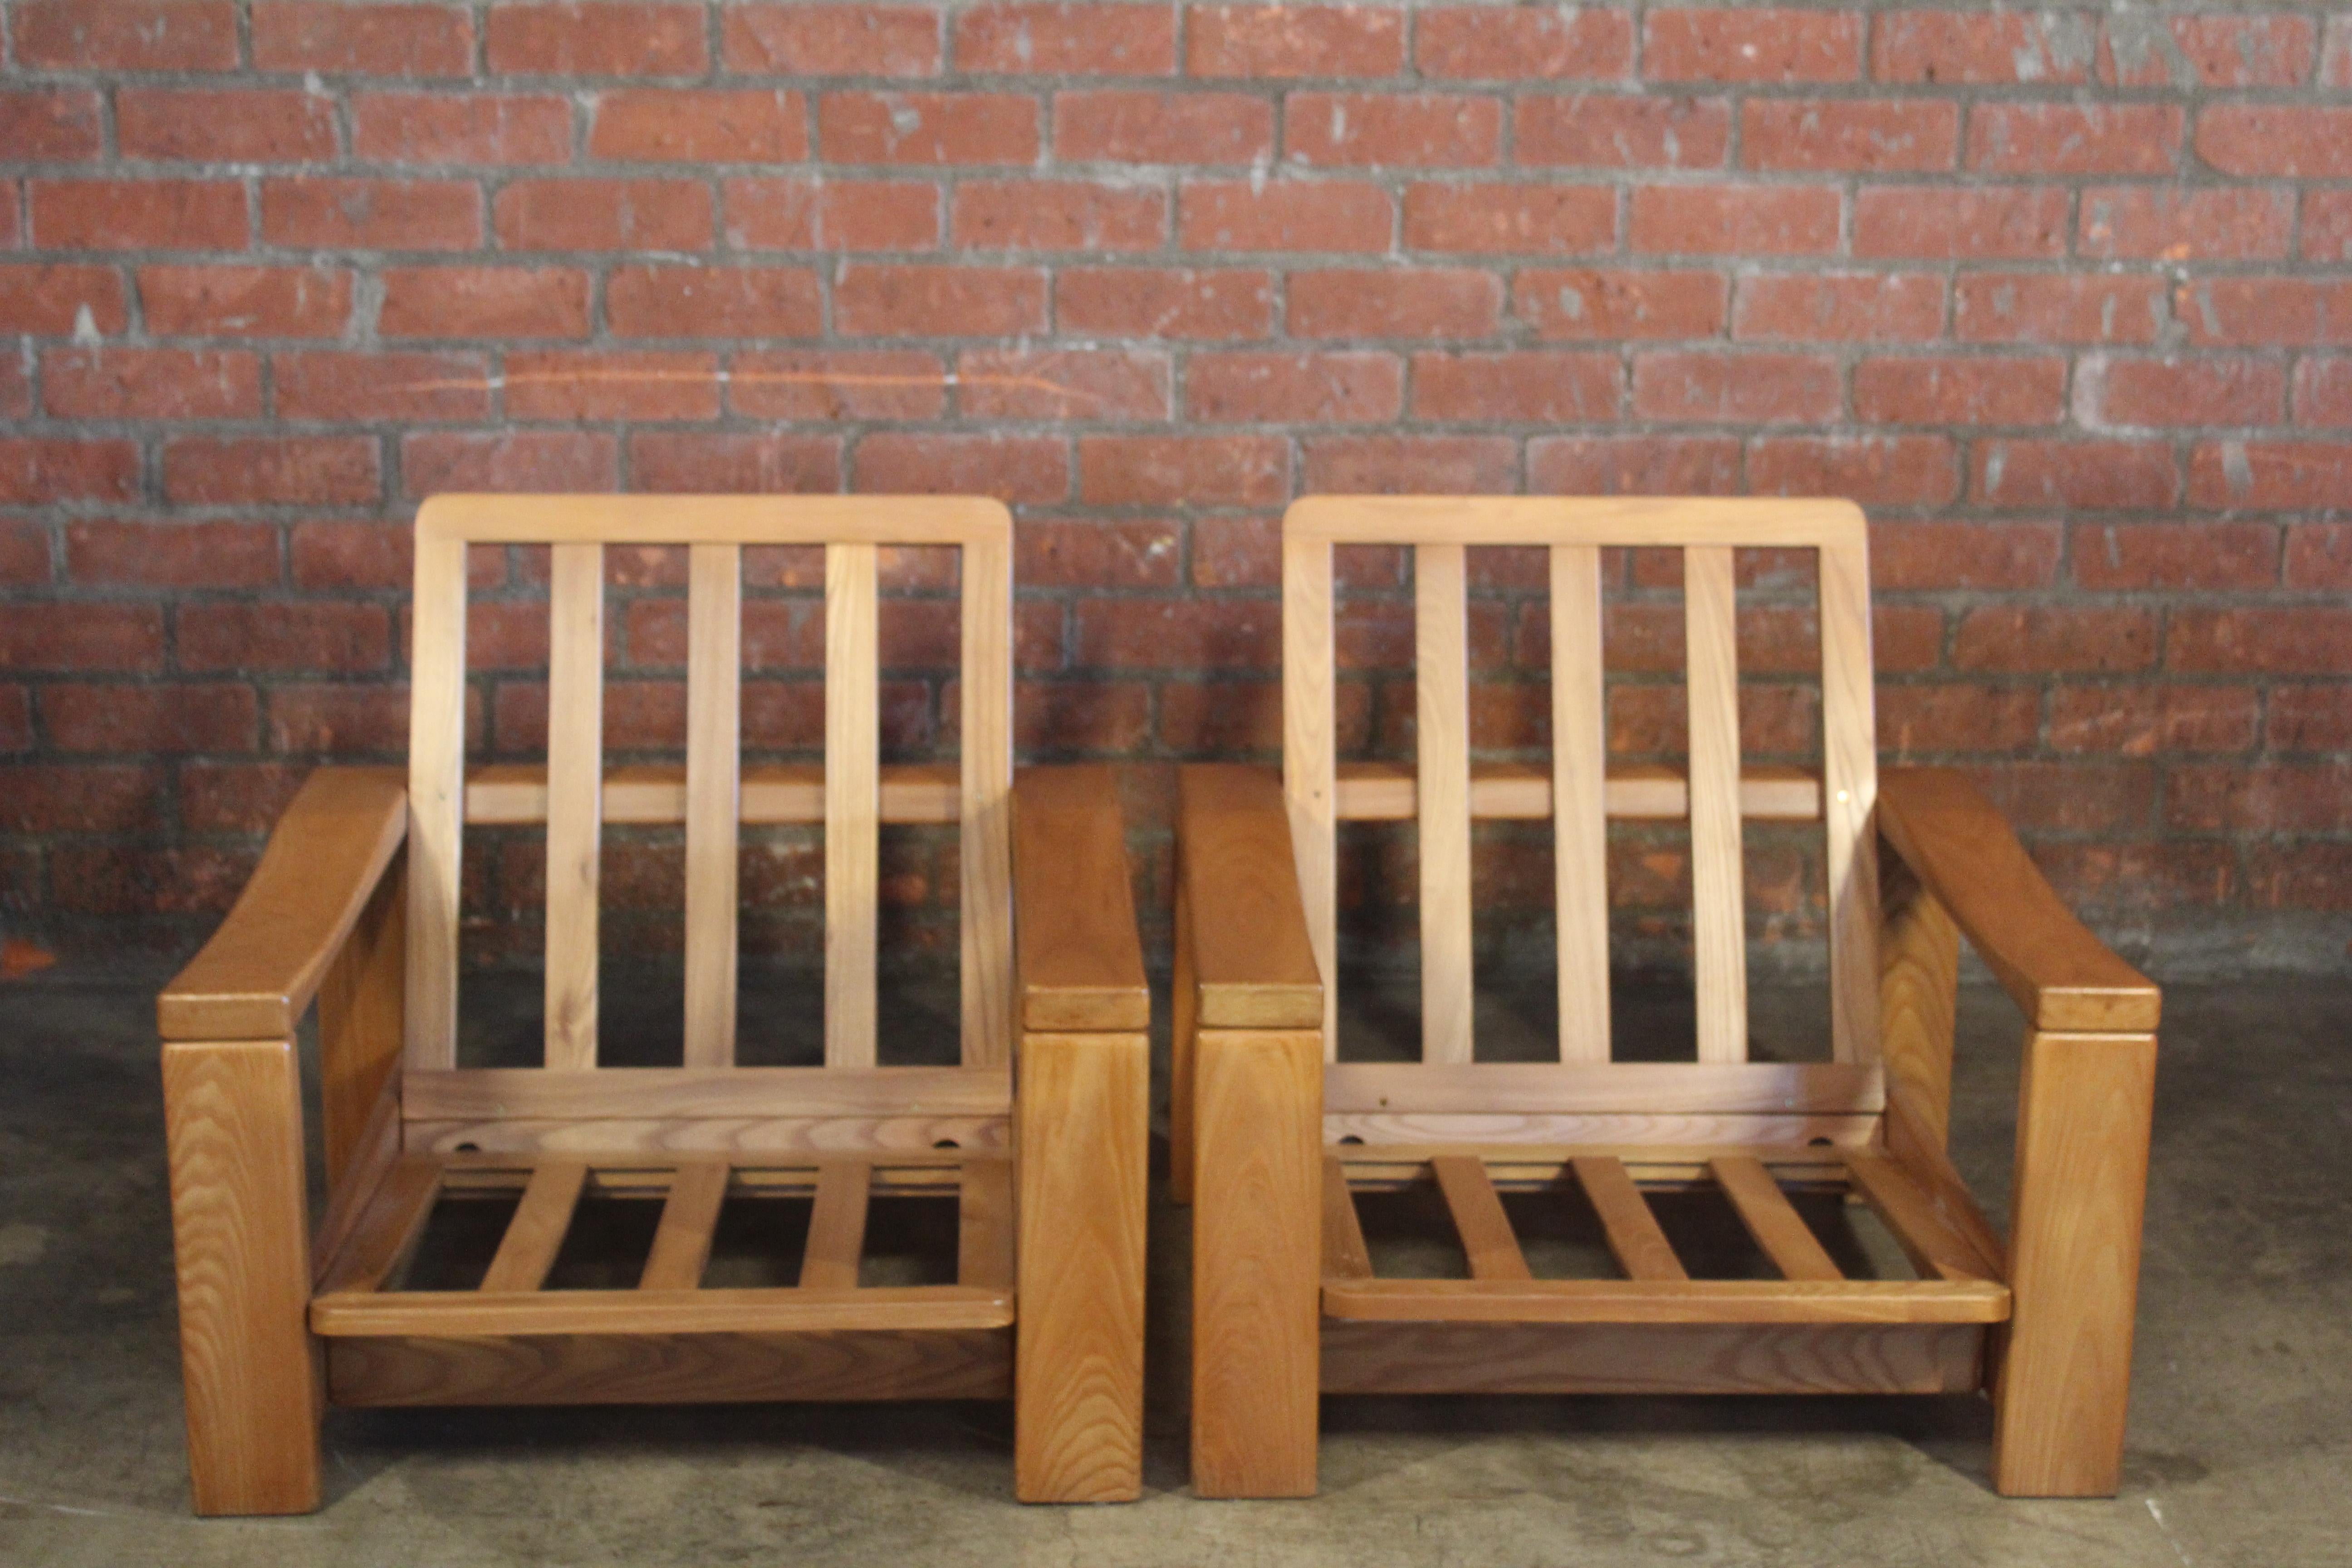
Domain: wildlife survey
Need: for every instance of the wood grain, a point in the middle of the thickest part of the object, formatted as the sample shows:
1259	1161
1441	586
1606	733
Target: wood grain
705	1312
1939	1242
1642	1248
576	816
1772	1220
714	725
437	795
1667	1301
360	1024
1580	748
1650	1358
747	1135
1080	958
677	519
681	1248
984	893
1440	680
1718	880
1603	520
1345	1255
513	795
1487	1241
483	1094
1452	1129
1518	792
1309	760
1251	962
984	1223
387	1227
536	1233
1850	791
836	1233
1658	1088
1918	999
852	805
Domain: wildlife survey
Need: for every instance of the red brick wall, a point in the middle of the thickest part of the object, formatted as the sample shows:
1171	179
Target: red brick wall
2064	298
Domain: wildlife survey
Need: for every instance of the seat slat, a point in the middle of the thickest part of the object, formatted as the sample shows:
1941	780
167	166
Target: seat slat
1441	665
713	798
984	1223
1487	1240
1935	1244
1579	745
851	802
1769	1217
388	1227
1642	1248
836	1234
536	1233
1345	1255
984	893
575	811
1718	895
681	1248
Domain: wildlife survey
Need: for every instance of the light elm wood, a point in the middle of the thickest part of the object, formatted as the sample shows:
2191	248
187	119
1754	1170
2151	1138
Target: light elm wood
1184	1029
387	1229
511	795
727	1093
1918	999
536	1233
1650	1358
1772	1220
1081	960
1657	1089
576	816
1625	521
1850	797
504	518
836	1233
714	724
1345	1255
1579	748
233	1123
752	1312
1718	882
1487	1241
1440	680
1518	792
1309	785
360	1025
681	1248
852	804
366	1163
1252	963
1642	1248
747	1135
1937	1240
437	793
1455	1129
1668	1301
986	894
984	1223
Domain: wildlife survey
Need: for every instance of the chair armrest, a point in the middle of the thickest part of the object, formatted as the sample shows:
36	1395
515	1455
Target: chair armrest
1962	850
1253	964
1079	959
257	975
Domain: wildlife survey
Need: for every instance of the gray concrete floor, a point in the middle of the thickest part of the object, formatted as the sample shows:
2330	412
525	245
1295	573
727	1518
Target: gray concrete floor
2241	1445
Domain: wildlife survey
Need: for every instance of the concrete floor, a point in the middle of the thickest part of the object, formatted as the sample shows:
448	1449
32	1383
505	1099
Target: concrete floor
2241	1443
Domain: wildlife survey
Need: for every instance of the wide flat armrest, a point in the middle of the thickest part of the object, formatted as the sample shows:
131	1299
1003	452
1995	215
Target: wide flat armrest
1963	851
1076	947
257	975
1253	964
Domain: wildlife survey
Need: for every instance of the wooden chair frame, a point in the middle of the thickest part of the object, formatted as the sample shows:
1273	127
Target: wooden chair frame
354	903
1273	1135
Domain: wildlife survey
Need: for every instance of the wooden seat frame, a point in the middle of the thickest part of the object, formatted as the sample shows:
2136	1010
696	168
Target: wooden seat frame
1273	1136
355	903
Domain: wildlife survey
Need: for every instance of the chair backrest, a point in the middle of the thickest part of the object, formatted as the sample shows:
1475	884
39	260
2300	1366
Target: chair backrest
1444	792
851	795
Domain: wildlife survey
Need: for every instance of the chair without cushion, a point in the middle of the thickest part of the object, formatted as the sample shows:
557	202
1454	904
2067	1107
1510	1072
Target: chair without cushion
356	902
1273	1136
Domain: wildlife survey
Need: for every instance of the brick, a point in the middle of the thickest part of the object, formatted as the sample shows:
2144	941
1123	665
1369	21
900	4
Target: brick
82	639
243	126
1634	465
484	301
1063	384
247	302
1959	49
2336	54
2319	556
1064	214
699	125
604	214
1283	215
2093	475
876	300
432	461
2163	223
596	384
1618	304
2168	555
1162	634
338	555
713	301
16	387
2208	51
372	215
137	214
1391	130
50	300
24	555
1606	131
1507	43
1293	388
272	470
1868	135
2267	139
935	128
1841	307
1097	555
2311	876
1015	39
2035	640
1505	220
831	40
338	38
1758	388
831	215
2074	139
2322	392
2268	798
53	798
1395	303
170	554
287	635
2293	312
2310	719
1942	223
2270	474
1196	129
1033	469
2278	639
1871	470
438	131
889	384
1184	470
1516	386
1946	718
1735	220
1765	44
692	461
340	721
1110	717
125	34
208	717
51	125
1402	465
2064	307
2142	720
123	383
2177	390
1294	40
605	38
337	385
1937	553
37	469
1951	391
1176	303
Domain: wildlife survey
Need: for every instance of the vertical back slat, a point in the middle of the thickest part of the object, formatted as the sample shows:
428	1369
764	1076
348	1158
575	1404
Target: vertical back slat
1850	798
437	800
851	802
713	798
1580	748
1308	760
1441	665
1718	913
575	798
985	898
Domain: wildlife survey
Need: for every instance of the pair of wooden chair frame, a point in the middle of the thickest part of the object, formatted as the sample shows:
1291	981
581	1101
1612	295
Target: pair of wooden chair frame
355	903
